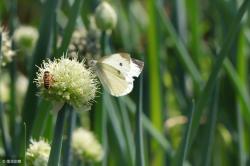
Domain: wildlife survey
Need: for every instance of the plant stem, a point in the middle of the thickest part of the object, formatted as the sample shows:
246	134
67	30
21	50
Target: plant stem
210	84
5	136
71	125
55	153
184	146
103	115
139	155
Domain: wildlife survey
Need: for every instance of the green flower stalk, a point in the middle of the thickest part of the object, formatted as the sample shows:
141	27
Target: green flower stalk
6	48
105	16
25	38
85	145
67	80
38	153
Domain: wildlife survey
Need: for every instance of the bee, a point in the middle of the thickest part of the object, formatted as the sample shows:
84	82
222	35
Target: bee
47	79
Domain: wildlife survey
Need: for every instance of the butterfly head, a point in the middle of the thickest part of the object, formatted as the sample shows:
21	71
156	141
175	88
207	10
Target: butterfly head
92	63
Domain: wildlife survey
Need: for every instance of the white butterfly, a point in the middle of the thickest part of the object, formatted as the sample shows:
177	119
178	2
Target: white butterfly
116	72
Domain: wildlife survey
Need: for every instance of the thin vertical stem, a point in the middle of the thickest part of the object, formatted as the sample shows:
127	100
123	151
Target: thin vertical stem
55	153
104	48
71	125
210	84
184	146
5	135
12	71
212	127
154	79
24	139
139	130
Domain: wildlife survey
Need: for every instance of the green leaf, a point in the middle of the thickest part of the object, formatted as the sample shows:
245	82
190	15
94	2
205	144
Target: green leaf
111	109
147	124
55	153
75	10
153	62
184	146
202	100
40	121
67	156
41	50
183	55
5	133
212	119
139	146
128	132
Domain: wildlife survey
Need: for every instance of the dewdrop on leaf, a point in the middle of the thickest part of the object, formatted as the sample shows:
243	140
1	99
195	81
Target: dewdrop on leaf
66	80
85	146
38	153
105	16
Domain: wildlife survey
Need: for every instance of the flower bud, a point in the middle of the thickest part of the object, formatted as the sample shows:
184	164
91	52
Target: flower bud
25	37
106	17
38	153
85	146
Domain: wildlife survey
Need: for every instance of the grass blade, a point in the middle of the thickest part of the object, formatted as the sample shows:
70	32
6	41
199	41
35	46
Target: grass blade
41	50
242	67
41	119
5	134
67	157
154	79
195	28
70	27
104	138
240	126
212	128
24	141
128	132
155	134
184	56
113	117
55	153
201	102
239	88
184	146
139	146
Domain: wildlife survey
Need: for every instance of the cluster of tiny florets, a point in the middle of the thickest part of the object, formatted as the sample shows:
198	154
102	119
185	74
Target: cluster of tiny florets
25	38
85	43
6	48
38	153
71	82
86	146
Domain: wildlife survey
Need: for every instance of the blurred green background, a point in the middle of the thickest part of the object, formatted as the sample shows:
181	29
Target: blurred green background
192	105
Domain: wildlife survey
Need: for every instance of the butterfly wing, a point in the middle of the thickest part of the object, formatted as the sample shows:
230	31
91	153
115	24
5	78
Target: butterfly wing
128	66
113	80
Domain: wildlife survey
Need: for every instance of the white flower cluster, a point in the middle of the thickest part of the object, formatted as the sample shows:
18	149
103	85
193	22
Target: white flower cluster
38	153
86	146
25	37
69	81
6	51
